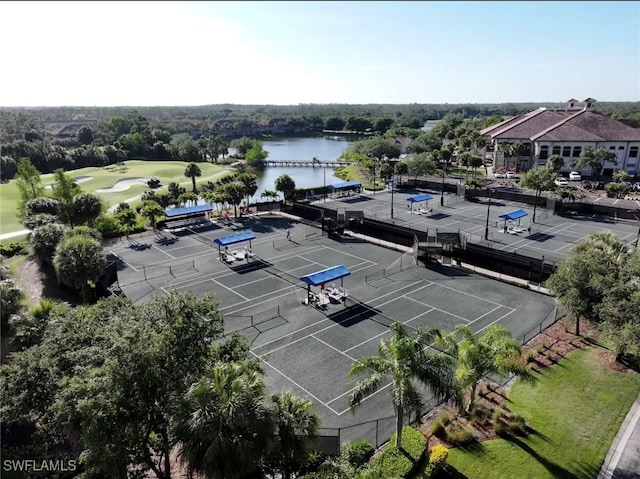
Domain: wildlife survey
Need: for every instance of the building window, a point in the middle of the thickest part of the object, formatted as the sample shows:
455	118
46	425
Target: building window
612	147
621	148
544	152
566	152
556	150
576	151
633	152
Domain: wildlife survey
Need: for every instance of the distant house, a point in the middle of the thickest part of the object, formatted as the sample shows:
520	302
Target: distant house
66	129
566	132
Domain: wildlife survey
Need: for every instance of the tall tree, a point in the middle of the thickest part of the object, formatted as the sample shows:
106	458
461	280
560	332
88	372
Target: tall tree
79	261
249	184
404	358
84	209
10	296
127	218
29	184
286	185
495	352
590	271
256	155
420	164
555	162
538	179
151	210
233	193
295	422
595	159
223	425
193	171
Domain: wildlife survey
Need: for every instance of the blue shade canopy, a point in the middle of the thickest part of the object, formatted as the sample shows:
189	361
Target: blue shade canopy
189	210
326	275
514	215
236	238
344	184
417	198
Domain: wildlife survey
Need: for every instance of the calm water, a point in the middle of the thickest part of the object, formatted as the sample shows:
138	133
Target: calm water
325	148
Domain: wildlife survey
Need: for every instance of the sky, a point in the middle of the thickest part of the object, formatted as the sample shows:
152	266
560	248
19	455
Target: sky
85	53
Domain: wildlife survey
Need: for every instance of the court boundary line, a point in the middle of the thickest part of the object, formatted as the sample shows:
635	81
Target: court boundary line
229	289
467	321
295	383
389	384
335	323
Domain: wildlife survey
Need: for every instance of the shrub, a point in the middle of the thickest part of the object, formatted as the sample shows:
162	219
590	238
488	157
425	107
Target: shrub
14	248
438	429
358	453
437	460
393	463
108	226
517	425
459	435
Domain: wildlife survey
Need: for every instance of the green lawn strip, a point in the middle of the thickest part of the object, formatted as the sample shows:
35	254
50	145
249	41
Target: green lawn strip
576	409
166	171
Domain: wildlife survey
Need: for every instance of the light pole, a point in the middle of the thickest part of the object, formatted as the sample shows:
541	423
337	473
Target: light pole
393	180
633	212
444	164
486	229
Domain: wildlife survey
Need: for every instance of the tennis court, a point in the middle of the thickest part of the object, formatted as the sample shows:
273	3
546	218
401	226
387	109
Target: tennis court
550	236
309	350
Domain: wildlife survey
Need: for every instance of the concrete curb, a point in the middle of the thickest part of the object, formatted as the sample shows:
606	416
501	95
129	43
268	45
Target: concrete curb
630	428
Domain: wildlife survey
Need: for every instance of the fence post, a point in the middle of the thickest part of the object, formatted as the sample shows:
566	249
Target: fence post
377	421
144	270
339	440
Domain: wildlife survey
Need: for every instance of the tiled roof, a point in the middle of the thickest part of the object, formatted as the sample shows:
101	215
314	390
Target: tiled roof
569	124
590	126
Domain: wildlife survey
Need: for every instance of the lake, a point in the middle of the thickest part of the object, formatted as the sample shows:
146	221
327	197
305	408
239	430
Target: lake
325	148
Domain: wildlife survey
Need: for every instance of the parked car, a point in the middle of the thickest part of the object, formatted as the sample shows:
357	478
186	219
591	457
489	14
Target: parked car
499	175
587	185
575	176
636	186
598	185
561	181
510	175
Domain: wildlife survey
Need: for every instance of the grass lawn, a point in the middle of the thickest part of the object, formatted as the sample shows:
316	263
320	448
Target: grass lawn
576	409
166	171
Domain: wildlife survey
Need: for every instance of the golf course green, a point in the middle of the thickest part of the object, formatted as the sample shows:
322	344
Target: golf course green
93	179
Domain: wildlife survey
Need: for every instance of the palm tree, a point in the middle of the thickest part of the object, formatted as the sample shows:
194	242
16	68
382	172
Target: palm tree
538	179
270	194
249	184
405	357
496	352
222	424
151	210
192	171
79	261
127	218
285	184
294	423
186	198
175	190
595	158
233	193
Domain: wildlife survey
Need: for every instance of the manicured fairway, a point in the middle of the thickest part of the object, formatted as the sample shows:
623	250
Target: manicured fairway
106	177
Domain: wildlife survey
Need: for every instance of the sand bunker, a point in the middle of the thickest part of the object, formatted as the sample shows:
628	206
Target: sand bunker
123	185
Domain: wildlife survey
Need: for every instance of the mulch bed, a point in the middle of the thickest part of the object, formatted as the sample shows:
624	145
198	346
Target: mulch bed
546	349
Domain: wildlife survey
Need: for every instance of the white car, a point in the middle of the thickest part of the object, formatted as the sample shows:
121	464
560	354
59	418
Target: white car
499	175
561	182
510	175
575	176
